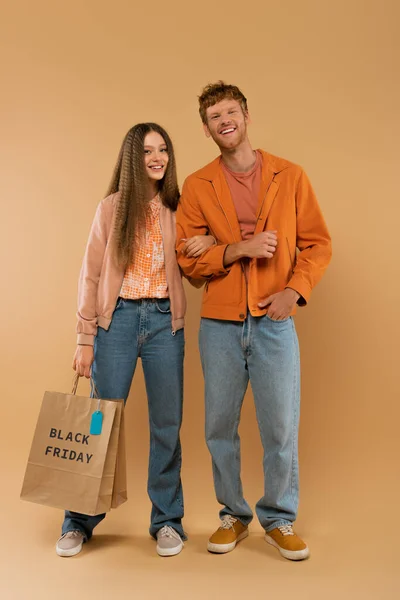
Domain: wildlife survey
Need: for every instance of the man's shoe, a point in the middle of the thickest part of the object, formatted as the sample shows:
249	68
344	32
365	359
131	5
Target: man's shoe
227	535
288	543
169	542
70	543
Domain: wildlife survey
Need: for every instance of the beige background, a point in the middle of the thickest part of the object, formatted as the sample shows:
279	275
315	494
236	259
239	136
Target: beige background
322	80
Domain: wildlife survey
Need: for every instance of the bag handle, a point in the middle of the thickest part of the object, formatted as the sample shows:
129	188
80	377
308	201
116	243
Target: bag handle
92	386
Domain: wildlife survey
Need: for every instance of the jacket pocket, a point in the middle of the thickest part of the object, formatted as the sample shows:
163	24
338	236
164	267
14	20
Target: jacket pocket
291	257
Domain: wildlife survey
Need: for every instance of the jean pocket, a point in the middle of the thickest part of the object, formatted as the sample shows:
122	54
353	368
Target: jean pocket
119	304
278	320
163	305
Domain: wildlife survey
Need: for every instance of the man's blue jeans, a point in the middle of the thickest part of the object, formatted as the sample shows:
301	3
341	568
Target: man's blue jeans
266	353
142	328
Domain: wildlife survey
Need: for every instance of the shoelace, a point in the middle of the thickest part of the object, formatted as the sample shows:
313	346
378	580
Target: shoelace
227	522
72	534
286	530
168	531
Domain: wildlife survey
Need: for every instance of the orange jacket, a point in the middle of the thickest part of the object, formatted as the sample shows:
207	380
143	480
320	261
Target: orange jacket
287	204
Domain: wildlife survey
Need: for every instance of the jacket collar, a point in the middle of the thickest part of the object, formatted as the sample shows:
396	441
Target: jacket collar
271	165
211	171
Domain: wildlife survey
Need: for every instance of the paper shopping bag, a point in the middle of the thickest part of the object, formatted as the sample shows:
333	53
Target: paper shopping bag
120	494
71	468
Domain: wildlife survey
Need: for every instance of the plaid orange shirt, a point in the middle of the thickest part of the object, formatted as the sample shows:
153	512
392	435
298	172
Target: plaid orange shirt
146	277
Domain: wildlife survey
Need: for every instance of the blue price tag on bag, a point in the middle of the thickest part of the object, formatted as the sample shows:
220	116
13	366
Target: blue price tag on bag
96	424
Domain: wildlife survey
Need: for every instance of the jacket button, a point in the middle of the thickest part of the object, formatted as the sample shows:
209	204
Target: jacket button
241	316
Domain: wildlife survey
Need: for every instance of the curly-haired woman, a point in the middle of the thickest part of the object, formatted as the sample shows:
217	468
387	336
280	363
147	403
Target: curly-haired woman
131	304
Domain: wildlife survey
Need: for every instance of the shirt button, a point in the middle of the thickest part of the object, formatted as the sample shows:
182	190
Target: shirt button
146	278
241	316
148	255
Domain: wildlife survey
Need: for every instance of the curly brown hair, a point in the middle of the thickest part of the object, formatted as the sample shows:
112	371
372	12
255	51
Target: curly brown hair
215	92
130	179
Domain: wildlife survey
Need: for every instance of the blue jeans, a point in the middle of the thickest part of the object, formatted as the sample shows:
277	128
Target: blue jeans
266	353
142	328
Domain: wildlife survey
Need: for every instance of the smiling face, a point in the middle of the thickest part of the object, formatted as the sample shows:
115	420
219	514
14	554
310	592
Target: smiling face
226	124
155	156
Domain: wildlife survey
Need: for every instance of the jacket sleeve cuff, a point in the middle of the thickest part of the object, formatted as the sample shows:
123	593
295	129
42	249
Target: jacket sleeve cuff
217	263
85	339
207	266
298	284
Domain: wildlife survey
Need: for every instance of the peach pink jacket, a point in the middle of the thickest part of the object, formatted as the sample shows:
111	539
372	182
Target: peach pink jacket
101	278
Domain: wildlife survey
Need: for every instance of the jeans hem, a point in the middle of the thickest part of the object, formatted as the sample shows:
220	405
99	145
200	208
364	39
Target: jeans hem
153	531
245	522
280	523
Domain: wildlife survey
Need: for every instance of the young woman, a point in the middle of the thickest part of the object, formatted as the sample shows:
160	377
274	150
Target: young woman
131	304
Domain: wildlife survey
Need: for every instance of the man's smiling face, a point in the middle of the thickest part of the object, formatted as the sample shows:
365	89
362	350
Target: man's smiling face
226	124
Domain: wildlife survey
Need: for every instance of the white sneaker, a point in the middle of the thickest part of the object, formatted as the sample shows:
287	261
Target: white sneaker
70	543
169	542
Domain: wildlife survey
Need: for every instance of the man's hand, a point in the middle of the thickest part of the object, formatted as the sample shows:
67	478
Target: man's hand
262	245
281	304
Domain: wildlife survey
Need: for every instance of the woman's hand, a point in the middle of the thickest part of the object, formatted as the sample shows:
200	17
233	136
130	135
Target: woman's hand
83	360
196	245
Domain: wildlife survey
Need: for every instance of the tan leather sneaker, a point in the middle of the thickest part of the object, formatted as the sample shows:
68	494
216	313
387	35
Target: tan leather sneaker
288	543
227	535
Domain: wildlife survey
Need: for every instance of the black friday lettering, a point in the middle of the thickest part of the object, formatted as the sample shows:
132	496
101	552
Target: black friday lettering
66	453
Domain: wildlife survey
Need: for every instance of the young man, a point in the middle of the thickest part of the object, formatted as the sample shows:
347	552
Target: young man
260	209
